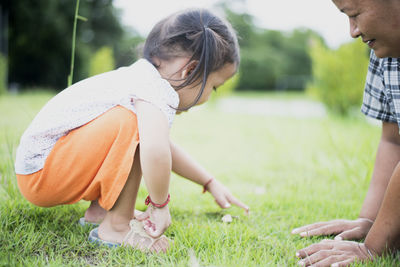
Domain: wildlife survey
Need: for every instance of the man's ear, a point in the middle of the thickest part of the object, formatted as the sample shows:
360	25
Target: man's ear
187	70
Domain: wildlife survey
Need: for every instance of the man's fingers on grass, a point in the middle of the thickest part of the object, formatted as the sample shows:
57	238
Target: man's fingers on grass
308	227
324	230
310	250
317	257
332	260
343	263
353	234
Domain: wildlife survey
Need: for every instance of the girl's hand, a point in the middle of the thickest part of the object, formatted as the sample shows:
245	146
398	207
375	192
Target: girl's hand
223	196
155	220
334	253
346	229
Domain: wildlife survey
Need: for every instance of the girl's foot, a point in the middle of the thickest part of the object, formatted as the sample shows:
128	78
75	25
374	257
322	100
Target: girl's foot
155	220
95	213
131	234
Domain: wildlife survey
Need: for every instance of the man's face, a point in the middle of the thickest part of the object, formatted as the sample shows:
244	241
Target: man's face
377	22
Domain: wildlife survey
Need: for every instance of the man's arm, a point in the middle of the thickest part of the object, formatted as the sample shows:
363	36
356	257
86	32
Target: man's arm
385	232
387	157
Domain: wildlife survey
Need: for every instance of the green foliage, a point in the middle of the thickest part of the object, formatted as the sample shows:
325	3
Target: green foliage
102	61
40	34
271	59
3	74
229	86
127	51
339	75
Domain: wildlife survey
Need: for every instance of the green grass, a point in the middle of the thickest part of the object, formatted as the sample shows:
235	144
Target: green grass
290	172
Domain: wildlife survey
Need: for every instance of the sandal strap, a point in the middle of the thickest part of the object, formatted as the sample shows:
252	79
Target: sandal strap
137	230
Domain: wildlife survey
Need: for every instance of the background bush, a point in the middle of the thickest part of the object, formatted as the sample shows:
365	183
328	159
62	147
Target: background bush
339	75
3	74
40	35
229	86
270	59
102	61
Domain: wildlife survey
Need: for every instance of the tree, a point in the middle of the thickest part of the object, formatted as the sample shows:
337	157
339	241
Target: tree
40	35
339	75
102	61
271	59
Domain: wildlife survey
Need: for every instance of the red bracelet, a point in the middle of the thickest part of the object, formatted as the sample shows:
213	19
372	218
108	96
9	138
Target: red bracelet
206	184
149	201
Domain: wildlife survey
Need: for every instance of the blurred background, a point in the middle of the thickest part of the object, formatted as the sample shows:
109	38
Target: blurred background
286	46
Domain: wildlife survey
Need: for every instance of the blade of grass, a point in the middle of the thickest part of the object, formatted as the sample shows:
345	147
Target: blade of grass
77	16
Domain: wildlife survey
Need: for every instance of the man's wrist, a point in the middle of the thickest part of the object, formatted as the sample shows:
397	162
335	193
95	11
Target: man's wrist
371	252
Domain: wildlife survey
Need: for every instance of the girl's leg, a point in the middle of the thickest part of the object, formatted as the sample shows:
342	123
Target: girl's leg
95	213
115	225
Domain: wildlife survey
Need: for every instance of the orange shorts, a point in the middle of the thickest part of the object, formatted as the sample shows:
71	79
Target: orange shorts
90	162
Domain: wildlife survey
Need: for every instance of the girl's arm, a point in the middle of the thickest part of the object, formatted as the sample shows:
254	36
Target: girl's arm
184	165
387	157
155	160
155	153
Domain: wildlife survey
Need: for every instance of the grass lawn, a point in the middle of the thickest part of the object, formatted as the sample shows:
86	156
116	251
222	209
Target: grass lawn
290	172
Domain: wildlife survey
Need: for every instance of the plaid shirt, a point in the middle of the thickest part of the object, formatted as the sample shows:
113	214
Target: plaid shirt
382	89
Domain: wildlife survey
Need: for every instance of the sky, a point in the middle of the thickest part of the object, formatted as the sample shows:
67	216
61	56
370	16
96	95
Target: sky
319	15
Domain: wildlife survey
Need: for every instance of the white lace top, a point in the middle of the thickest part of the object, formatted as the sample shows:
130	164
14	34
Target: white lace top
85	101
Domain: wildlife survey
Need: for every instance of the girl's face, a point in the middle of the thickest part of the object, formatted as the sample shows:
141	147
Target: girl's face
188	94
377	22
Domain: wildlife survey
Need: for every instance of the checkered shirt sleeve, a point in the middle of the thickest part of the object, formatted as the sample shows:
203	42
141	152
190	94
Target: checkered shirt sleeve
382	91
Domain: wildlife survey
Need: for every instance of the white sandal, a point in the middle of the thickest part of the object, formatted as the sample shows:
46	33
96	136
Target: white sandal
136	238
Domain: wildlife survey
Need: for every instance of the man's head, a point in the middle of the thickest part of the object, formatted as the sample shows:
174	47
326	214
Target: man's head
377	22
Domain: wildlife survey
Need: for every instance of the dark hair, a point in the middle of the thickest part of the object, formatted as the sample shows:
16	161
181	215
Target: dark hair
197	33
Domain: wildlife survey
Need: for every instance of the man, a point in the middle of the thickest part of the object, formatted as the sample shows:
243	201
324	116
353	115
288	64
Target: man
377	22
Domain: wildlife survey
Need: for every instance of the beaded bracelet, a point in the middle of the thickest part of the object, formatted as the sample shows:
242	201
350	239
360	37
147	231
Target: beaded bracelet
149	201
206	184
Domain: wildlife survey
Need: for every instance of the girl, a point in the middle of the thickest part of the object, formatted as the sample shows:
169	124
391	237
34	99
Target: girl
96	139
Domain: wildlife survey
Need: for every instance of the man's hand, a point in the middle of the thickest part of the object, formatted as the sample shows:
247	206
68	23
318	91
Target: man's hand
334	253
344	229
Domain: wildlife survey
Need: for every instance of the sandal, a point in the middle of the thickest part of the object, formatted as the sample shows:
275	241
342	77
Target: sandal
136	238
83	222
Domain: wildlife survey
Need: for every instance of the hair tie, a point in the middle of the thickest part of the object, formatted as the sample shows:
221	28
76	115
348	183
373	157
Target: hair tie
204	28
